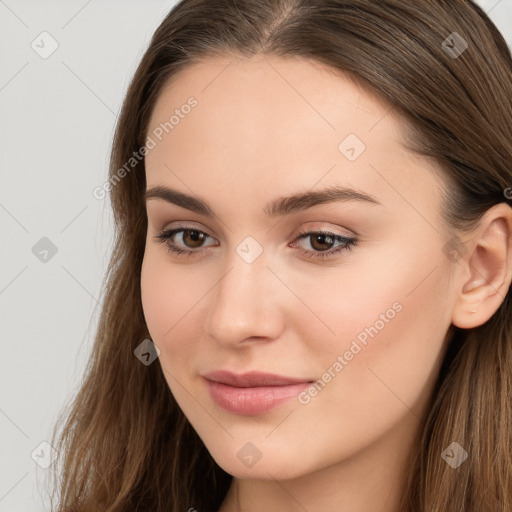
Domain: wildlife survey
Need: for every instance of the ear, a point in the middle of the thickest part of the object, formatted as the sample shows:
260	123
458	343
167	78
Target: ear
486	269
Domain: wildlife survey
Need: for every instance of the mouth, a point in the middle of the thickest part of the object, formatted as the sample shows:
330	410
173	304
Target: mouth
252	393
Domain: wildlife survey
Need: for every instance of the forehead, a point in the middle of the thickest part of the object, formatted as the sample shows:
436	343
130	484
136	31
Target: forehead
283	123
238	94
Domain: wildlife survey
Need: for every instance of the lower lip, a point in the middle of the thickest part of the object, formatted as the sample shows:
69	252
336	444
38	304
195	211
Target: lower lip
252	401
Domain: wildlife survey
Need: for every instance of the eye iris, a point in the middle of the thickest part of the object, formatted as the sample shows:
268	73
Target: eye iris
322	238
196	236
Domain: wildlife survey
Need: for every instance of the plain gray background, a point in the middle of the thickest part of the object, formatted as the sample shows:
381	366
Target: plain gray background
57	121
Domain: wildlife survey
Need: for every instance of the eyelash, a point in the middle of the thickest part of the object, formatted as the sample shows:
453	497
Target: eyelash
348	242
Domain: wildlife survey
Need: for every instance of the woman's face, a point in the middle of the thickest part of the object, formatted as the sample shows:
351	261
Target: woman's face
362	310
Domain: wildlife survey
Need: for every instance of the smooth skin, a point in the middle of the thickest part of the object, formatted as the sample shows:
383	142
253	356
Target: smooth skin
265	128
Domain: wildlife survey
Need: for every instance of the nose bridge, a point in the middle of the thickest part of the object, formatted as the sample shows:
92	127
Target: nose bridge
244	304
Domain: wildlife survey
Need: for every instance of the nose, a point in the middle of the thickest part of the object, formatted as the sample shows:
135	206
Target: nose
245	305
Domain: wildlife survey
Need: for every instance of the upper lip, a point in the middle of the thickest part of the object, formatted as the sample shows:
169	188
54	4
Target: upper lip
251	379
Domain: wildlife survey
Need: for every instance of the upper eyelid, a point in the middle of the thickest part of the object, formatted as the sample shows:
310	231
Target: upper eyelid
177	229
334	231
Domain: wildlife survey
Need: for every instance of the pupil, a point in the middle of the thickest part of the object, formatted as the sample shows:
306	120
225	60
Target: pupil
323	239
195	236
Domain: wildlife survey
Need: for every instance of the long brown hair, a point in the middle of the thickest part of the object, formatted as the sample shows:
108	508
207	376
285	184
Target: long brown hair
125	445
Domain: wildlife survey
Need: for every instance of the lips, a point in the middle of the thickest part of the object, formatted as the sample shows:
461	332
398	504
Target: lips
251	379
253	392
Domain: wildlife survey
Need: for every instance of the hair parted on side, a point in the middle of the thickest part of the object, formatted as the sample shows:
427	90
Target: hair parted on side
124	444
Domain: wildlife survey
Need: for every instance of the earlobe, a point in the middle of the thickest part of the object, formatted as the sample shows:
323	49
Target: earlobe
487	271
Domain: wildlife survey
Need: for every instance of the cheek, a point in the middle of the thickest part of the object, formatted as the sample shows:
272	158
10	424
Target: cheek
156	296
172	298
167	293
390	323
387	378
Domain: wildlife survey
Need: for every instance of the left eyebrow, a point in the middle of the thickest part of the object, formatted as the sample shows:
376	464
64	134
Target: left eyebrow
303	201
277	208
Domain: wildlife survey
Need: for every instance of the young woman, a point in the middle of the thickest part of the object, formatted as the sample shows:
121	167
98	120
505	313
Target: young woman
308	303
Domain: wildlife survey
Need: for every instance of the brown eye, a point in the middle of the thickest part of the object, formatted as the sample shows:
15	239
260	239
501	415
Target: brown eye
193	238
321	244
184	241
321	241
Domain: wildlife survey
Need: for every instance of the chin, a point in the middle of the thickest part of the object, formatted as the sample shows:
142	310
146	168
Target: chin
271	466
